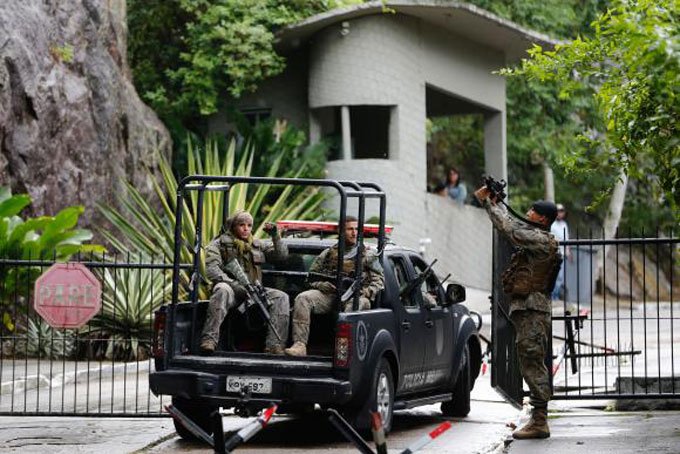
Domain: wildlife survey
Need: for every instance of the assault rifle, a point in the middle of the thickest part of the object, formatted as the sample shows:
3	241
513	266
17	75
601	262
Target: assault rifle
418	280
495	187
257	294
497	191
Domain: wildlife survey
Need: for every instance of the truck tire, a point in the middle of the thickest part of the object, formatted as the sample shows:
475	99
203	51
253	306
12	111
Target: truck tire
460	405
198	413
381	398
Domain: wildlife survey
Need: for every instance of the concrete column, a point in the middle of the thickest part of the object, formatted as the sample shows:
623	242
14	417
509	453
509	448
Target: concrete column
314	128
346	133
495	154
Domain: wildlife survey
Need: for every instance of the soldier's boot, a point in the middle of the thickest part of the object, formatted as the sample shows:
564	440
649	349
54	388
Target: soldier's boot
274	350
207	346
298	349
537	427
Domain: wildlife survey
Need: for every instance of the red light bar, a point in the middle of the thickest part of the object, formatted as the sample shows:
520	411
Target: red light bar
370	230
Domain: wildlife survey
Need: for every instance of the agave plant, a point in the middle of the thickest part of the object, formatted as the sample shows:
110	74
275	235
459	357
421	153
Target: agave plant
152	232
41	238
129	298
43	341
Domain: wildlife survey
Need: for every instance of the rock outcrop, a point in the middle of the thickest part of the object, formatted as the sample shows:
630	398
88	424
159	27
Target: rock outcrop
71	122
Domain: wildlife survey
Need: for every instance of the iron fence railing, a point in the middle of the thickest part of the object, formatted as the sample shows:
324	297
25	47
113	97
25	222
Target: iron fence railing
100	369
614	328
615	323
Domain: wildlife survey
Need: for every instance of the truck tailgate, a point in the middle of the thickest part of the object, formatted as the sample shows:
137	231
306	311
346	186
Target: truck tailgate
240	363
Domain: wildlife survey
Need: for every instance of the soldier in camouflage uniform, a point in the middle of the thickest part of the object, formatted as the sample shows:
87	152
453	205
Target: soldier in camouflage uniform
528	281
227	293
320	299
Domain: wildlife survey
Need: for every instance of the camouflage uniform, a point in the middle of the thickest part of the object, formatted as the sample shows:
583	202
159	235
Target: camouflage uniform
228	293
320	299
526	280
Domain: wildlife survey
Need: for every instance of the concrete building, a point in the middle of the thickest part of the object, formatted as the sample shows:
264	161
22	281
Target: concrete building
370	75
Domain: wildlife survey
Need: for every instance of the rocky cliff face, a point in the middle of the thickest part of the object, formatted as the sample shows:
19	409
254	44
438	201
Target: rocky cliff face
71	122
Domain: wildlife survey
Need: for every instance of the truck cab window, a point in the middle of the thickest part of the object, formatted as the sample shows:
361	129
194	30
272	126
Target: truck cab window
400	273
430	289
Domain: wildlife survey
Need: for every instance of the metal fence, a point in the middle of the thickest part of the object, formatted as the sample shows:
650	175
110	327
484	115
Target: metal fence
614	328
615	322
100	369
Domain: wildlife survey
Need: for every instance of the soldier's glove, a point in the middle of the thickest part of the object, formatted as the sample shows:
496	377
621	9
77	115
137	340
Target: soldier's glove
270	228
239	291
324	287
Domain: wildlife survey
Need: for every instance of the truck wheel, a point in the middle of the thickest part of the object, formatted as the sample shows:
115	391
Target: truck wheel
382	394
460	405
198	413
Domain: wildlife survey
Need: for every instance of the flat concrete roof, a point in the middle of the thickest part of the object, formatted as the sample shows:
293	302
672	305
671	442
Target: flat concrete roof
459	18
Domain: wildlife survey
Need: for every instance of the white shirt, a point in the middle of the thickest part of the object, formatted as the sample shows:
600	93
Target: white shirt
560	229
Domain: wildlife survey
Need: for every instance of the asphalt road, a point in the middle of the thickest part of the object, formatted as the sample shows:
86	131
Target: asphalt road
483	431
577	426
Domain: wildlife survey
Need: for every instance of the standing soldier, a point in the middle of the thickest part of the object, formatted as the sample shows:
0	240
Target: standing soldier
319	300
528	281
227	292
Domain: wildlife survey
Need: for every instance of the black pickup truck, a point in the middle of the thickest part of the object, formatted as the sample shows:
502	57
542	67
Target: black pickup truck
408	350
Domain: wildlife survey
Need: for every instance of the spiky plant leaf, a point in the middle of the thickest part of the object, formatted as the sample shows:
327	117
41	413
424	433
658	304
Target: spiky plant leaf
149	231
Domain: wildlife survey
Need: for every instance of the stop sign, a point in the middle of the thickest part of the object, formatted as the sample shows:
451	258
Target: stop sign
67	295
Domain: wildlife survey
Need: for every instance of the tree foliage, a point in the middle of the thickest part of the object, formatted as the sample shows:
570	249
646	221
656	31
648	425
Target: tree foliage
632	62
186	54
541	126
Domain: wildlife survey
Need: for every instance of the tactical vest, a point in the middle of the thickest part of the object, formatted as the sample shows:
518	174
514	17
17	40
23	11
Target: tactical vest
250	261
332	260
528	273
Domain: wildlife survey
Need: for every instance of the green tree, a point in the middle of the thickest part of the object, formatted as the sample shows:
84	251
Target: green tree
632	64
186	54
542	127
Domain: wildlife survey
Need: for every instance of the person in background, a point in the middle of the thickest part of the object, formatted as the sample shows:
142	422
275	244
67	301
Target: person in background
560	230
455	188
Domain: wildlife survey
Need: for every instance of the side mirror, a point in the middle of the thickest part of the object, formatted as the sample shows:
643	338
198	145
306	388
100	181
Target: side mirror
455	293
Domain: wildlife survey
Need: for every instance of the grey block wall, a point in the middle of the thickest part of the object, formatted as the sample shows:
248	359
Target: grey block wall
388	60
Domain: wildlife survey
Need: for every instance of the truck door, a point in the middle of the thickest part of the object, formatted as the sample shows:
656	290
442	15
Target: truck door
438	335
411	323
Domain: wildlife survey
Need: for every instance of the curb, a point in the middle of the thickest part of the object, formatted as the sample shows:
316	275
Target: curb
23	384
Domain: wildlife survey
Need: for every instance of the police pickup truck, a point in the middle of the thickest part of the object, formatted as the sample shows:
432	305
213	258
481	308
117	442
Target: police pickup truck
415	346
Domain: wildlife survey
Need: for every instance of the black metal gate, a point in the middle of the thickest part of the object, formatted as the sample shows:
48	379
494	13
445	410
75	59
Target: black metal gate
101	369
614	324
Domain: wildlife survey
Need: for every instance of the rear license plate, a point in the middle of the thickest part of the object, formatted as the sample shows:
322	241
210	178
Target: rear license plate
257	385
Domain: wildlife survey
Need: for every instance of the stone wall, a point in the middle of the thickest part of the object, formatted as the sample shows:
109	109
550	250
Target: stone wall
71	122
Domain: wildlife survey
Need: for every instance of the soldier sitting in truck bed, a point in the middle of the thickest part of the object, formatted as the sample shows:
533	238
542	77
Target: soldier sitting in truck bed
227	292
320	299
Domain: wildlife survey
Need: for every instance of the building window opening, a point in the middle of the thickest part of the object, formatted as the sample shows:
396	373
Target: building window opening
455	146
370	126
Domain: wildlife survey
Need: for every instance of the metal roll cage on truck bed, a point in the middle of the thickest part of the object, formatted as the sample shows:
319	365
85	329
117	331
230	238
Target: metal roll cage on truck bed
203	183
401	353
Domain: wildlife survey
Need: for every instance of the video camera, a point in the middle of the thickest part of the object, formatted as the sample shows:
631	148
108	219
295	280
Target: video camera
495	187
